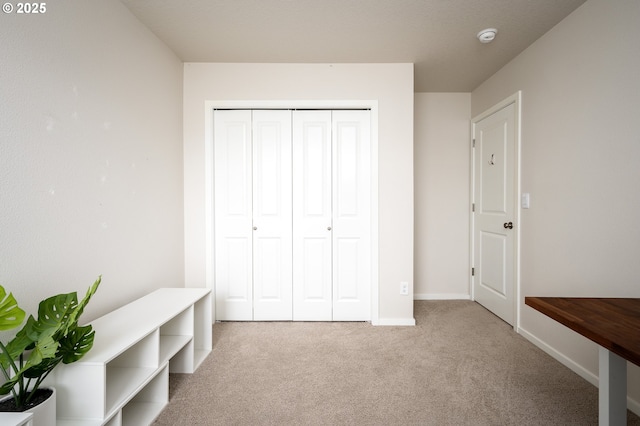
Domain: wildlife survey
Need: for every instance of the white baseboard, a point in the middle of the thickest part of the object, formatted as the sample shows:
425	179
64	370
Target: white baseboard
561	358
395	321
441	296
632	404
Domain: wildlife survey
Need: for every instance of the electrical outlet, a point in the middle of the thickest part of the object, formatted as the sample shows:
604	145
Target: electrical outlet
404	288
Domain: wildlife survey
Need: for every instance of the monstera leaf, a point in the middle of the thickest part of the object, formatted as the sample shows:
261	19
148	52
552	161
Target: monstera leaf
42	343
45	365
8	385
77	343
11	315
54	314
75	314
17	347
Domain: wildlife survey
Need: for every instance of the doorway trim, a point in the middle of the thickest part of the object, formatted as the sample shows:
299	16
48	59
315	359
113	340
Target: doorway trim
210	105
515	99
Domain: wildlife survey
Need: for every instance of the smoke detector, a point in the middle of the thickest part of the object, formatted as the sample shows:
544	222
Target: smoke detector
487	36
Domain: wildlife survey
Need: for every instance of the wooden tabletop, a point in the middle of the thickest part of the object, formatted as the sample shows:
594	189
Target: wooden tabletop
612	323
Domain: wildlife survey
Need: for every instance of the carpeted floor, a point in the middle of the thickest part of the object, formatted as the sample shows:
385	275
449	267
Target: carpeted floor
460	365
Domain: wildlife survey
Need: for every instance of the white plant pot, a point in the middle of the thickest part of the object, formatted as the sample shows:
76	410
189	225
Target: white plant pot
45	413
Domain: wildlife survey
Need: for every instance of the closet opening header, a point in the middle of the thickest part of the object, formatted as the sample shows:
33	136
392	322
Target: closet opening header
292	109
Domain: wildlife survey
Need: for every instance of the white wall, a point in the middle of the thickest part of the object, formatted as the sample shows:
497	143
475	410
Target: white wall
581	164
90	155
441	161
390	84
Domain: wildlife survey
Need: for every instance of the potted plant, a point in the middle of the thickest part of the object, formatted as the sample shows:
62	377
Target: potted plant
40	345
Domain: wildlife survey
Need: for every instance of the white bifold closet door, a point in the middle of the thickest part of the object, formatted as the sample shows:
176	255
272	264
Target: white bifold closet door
292	215
331	216
253	215
233	215
351	215
312	216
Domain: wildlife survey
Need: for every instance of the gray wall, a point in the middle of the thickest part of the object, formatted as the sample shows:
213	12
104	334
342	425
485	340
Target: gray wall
581	164
90	156
441	164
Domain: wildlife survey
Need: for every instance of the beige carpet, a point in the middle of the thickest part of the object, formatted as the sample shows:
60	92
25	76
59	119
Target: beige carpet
460	365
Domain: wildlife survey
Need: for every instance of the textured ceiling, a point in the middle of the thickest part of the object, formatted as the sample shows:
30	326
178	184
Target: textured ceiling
438	36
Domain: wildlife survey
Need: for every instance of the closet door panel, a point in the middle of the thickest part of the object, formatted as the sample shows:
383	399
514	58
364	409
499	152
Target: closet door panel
312	216
352	216
233	215
272	220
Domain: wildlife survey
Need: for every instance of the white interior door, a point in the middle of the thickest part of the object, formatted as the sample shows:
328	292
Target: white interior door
233	212
351	215
272	220
495	195
312	221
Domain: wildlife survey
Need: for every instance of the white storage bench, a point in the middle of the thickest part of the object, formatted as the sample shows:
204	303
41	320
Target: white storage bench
124	379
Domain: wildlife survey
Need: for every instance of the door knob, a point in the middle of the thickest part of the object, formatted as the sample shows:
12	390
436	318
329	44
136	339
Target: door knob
508	225
328	228
255	228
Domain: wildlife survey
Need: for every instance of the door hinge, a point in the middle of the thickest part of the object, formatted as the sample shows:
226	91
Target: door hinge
473	207
473	272
473	144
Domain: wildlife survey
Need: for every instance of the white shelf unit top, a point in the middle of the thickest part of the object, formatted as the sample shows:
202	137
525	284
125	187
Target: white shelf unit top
16	419
139	318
